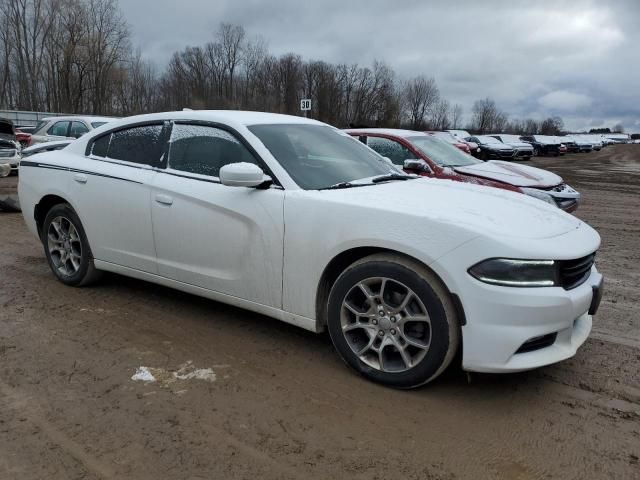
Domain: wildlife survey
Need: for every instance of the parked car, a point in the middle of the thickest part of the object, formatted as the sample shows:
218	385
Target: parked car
582	145
23	138
524	150
595	141
462	135
543	144
9	147
491	148
65	128
447	137
424	155
404	270
45	147
569	144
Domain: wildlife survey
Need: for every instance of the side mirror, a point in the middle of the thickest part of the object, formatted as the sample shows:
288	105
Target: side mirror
418	165
242	174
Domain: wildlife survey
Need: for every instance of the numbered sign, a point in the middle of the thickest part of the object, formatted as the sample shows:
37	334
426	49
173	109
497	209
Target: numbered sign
305	104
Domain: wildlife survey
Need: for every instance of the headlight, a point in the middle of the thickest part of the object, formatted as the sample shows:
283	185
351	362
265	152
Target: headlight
510	272
539	194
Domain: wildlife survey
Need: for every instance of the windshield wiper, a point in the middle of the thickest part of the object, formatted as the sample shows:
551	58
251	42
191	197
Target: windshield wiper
338	186
391	176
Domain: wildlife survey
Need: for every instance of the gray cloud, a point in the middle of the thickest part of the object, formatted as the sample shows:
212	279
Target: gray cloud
577	59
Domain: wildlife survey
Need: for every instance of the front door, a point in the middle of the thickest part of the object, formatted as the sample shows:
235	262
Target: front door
225	239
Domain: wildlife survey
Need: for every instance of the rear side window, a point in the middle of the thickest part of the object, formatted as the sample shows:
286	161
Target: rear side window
391	149
136	145
59	129
100	146
204	150
78	129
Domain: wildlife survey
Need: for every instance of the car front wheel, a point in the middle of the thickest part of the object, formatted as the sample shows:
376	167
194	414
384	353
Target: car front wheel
393	321
67	248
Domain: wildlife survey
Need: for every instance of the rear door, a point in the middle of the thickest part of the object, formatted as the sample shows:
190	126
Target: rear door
111	188
225	239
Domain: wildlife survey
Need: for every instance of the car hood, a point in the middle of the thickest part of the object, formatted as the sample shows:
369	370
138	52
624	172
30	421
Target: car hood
512	173
497	146
520	145
482	210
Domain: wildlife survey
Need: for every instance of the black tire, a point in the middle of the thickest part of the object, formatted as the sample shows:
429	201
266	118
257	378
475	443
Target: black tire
444	330
536	151
86	272
484	156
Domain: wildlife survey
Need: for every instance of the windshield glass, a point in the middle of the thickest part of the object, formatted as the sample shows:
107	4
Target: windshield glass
510	138
447	137
442	153
485	139
317	156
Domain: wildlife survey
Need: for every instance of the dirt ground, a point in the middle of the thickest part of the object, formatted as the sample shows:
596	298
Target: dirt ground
282	405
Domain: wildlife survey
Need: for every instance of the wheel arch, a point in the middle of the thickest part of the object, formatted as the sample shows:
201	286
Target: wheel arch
343	260
45	204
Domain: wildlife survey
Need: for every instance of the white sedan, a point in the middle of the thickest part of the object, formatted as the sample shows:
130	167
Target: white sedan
294	219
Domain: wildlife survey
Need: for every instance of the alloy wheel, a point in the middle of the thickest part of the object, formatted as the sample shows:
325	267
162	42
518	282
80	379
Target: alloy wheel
386	324
65	247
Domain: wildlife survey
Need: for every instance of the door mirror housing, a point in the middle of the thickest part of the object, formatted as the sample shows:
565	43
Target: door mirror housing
417	165
242	174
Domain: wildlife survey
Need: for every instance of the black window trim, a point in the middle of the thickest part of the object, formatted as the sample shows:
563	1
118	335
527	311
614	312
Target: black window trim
221	126
165	136
162	142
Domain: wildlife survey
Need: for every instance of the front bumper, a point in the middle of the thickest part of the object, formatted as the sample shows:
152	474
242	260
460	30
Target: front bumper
505	319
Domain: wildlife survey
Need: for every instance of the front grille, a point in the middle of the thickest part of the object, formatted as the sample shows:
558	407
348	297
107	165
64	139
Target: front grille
7	153
537	343
575	272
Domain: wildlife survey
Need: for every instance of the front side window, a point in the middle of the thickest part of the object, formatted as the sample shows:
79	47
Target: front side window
97	124
136	145
78	129
204	149
441	152
391	149
59	129
318	156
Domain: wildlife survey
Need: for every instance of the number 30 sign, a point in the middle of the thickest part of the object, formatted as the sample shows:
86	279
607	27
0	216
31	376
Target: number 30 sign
305	104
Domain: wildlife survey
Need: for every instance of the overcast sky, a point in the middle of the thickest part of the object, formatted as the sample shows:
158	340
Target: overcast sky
579	59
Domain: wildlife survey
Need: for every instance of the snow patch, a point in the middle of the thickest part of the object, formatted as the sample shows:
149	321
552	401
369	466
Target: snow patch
143	375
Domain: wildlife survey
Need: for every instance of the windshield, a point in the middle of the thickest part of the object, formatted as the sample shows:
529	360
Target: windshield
97	124
509	138
317	156
447	137
442	153
485	139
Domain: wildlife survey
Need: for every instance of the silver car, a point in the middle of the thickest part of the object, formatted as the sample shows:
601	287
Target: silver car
66	128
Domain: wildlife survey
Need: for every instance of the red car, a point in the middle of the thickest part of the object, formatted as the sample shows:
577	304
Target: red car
447	137
424	154
23	138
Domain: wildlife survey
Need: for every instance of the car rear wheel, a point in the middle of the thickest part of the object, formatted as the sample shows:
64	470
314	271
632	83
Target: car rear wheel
536	151
393	321
66	247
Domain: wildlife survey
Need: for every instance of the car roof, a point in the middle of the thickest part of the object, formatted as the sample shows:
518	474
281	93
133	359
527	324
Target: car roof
85	118
245	118
397	132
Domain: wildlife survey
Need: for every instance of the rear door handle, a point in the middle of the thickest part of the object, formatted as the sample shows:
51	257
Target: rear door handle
80	178
164	199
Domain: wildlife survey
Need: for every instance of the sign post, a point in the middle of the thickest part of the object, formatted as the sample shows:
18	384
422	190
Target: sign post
305	105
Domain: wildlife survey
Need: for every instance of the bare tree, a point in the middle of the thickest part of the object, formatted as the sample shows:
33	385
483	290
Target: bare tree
420	94
618	128
440	116
456	116
230	38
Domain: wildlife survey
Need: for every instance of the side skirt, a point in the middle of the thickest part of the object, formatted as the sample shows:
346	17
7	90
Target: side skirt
297	320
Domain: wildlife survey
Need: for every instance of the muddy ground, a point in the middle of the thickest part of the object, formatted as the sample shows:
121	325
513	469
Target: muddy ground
282	404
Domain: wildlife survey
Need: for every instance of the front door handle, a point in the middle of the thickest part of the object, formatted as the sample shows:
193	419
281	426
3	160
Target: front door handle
80	178
164	199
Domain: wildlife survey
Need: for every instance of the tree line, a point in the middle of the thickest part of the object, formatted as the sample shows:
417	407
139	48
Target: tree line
76	56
